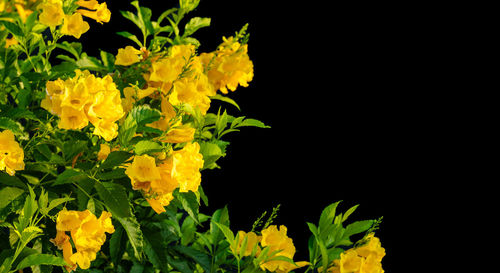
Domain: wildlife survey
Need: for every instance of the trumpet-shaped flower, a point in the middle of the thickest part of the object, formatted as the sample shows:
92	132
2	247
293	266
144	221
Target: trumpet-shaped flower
363	259
74	25
87	233
229	66
11	153
277	240
85	98
52	13
127	56
187	163
100	12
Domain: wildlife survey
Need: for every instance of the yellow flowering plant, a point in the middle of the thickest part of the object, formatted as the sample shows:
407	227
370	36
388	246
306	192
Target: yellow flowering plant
101	157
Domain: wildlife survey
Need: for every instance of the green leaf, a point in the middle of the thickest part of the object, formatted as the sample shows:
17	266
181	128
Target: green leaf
70	176
117	245
8	194
252	123
134	233
11	181
130	36
127	130
56	202
225	99
115	197
14	126
74	48
197	256
349	212
220	216
13	28
189	203
357	227
143	114
114	159
147	147
211	153
108	60
40	259
188	5
327	215
194	24
227	232
90	63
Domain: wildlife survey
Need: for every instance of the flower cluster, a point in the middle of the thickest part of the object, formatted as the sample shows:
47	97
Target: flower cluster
158	181
364	259
53	15
11	153
278	242
229	66
85	98
87	233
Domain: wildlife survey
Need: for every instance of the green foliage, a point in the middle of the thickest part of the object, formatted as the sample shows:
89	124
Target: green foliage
70	169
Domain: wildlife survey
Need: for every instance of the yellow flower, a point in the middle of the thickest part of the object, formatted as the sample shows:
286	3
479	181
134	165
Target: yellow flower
229	66
159	202
187	163
187	91
252	243
372	248
350	261
72	118
100	14
85	98
103	152
127	56
10	41
142	172
11	153
277	240
364	259
87	234
23	13
169	68
74	25
52	13
90	4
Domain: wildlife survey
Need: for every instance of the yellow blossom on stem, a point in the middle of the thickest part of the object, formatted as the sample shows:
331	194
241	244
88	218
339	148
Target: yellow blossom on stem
87	233
11	153
127	56
252	243
277	240
187	163
83	99
363	259
74	25
229	66
100	12
52	13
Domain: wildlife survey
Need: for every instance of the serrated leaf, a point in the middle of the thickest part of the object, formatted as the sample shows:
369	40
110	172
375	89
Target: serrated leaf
189	204
144	114
227	232
115	197
14	126
56	202
134	233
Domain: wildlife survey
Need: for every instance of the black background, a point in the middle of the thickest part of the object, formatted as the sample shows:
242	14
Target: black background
333	83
